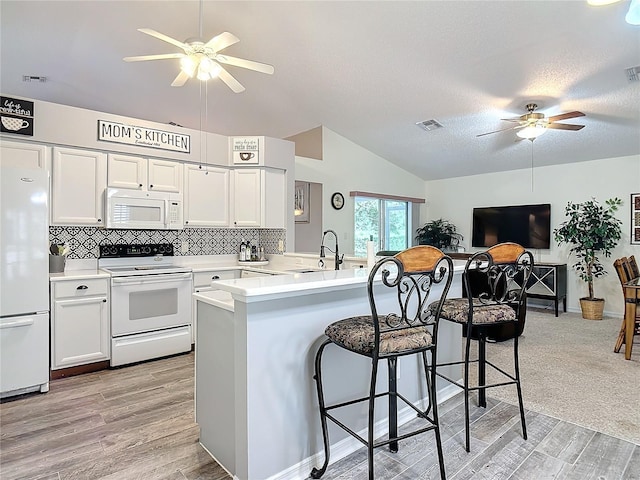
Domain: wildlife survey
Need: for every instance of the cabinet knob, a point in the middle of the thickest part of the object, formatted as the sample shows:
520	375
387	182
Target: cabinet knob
150	186
215	277
104	300
99	220
82	287
140	185
186	222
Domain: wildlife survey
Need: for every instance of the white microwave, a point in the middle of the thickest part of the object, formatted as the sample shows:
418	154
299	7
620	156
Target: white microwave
132	209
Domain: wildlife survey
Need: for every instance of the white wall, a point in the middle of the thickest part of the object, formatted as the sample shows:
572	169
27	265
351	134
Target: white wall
347	167
454	199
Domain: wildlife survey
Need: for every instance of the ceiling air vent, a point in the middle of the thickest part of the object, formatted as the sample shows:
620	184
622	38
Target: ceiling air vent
429	125
633	74
33	78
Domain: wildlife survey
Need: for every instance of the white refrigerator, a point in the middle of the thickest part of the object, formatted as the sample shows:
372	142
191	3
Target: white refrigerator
24	281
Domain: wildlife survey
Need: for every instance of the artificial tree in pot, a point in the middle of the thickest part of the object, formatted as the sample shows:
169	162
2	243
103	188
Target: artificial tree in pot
591	230
439	233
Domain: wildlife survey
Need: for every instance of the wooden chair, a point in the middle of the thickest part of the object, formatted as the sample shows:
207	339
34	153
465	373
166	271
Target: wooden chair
415	277
627	270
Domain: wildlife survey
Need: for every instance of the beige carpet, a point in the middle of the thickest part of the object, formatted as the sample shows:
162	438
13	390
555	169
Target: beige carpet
569	371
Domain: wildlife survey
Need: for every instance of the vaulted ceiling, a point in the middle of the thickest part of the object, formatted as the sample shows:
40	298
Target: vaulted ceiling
366	70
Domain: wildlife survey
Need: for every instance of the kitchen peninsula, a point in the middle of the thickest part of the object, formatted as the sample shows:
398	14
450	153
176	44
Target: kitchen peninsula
256	403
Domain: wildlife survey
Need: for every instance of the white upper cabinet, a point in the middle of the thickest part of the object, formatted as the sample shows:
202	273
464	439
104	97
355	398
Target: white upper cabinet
259	198
79	178
24	155
165	176
127	171
138	173
206	199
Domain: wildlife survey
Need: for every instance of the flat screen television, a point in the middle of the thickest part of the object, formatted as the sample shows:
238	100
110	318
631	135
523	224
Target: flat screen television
528	225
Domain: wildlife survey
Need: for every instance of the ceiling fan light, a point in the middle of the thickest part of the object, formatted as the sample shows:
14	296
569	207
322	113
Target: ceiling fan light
203	75
531	132
205	64
215	70
188	65
633	15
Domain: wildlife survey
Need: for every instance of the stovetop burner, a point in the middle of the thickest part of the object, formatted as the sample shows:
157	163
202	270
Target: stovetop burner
130	260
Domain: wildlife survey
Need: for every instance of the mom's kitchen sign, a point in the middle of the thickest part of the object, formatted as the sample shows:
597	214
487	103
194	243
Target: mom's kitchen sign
143	136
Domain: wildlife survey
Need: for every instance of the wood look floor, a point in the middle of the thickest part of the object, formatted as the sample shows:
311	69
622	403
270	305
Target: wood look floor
136	423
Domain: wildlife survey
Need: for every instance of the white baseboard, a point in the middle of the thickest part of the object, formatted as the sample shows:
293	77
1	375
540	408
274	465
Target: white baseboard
347	446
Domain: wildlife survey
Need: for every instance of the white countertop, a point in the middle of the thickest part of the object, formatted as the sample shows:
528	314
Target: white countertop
78	275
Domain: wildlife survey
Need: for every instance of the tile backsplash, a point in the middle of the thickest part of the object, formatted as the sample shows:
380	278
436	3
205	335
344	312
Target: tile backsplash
84	241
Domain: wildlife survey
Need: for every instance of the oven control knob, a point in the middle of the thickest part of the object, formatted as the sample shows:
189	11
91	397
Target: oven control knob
113	250
146	249
160	248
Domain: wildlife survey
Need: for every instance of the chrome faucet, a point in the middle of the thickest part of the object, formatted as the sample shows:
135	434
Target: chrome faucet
338	258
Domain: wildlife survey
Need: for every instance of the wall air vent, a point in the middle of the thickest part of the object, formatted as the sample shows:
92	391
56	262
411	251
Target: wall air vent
33	78
633	74
429	125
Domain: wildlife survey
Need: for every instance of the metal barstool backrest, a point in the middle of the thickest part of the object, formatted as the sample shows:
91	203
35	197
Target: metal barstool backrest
506	267
420	275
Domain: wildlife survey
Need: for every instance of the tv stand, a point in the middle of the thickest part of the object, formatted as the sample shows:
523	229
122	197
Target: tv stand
549	281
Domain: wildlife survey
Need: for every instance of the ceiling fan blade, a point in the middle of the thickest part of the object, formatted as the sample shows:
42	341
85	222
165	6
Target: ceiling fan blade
222	41
515	120
564	116
231	82
241	62
163	37
565	126
143	58
181	79
502	130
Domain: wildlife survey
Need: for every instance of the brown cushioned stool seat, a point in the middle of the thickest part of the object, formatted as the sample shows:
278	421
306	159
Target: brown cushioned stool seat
457	310
358	335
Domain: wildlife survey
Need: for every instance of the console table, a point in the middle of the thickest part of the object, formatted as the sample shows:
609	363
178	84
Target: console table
549	281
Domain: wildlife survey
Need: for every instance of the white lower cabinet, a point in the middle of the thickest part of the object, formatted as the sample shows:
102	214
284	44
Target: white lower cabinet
80	332
202	283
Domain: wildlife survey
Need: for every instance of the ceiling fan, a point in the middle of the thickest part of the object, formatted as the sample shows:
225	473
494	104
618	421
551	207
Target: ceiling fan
203	59
533	124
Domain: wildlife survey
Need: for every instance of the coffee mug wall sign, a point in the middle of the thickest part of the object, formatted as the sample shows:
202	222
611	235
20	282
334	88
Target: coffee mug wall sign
245	150
16	116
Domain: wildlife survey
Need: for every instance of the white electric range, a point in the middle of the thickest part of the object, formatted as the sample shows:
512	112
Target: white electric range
150	302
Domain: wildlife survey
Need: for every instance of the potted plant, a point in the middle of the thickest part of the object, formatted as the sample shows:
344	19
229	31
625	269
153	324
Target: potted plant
591	230
439	233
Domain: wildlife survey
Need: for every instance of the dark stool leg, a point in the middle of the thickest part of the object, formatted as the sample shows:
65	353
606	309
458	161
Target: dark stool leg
430	374
467	439
392	363
482	369
317	473
517	372
372	402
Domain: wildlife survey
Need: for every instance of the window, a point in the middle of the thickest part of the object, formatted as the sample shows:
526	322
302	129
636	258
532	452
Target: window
387	221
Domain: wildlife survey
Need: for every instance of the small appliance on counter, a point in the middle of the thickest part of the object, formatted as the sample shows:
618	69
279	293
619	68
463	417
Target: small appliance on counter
150	302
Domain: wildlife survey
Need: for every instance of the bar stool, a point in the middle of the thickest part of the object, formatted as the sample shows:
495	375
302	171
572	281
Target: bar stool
401	287
506	268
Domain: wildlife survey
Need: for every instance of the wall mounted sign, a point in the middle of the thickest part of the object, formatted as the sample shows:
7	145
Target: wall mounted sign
635	219
245	150
143	136
16	116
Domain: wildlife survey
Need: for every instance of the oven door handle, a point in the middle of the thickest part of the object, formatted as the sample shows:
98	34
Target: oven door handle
145	279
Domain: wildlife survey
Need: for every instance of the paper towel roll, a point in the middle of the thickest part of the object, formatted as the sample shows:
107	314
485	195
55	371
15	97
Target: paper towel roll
371	256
